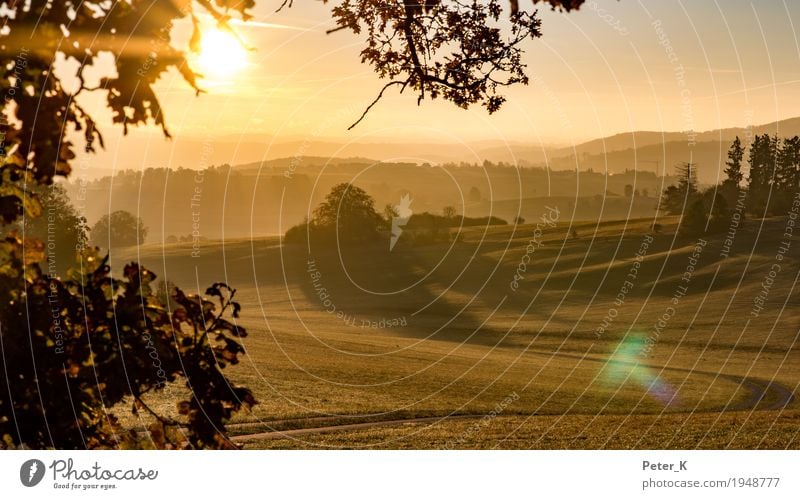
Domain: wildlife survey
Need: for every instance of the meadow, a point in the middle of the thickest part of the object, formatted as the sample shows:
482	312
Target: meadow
542	335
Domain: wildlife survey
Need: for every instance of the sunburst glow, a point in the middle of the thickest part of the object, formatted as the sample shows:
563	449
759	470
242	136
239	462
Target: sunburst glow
221	55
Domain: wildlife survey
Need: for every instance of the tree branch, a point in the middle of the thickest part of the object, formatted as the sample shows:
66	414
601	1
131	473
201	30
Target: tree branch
375	101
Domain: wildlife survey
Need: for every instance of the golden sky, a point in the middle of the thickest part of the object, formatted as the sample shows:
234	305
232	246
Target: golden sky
612	67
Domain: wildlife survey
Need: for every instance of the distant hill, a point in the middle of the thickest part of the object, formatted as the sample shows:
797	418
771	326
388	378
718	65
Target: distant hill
645	150
640	150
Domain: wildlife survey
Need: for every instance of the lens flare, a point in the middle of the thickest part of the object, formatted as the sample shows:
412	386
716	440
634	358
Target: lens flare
626	365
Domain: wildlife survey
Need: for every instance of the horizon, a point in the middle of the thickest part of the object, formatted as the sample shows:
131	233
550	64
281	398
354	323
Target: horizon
610	68
139	141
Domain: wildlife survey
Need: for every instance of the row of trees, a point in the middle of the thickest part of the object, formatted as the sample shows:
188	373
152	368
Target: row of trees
773	179
348	215
774	172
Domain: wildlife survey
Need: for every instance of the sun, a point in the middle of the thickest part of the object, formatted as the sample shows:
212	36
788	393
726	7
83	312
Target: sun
221	55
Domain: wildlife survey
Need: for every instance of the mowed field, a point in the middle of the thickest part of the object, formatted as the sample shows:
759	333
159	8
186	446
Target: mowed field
612	336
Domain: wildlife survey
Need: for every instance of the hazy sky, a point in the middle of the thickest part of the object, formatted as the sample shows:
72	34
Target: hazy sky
612	67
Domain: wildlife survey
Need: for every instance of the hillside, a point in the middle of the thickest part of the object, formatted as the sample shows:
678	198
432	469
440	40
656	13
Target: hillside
267	198
646	151
365	334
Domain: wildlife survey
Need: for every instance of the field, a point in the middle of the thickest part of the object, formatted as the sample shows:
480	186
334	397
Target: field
611	335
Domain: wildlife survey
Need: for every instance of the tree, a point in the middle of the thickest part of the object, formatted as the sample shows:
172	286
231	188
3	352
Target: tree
442	49
733	171
687	178
763	162
707	214
449	212
389	214
731	187
348	212
120	229
677	197
66	343
789	166
518	220
62	231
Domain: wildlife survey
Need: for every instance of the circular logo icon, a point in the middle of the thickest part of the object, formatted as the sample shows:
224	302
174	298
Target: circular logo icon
31	472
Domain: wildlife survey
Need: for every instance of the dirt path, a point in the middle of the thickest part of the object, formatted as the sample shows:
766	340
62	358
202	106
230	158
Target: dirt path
280	435
764	395
775	395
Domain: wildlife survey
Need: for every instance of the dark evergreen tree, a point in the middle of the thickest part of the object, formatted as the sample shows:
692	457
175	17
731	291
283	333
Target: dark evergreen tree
763	162
734	164
677	197
789	166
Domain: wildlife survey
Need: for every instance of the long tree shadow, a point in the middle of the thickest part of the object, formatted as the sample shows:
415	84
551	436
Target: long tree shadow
462	291
426	292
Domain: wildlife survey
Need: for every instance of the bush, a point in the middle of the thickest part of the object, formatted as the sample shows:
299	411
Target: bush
432	221
75	348
708	214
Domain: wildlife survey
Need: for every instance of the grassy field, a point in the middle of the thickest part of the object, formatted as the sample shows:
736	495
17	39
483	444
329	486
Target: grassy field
573	356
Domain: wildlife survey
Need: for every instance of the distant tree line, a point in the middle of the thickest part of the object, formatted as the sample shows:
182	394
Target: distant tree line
767	190
348	215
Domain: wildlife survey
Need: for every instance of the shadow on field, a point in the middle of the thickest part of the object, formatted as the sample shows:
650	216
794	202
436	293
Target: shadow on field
461	291
429	292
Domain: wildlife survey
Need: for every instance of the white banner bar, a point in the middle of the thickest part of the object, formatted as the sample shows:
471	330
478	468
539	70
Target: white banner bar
401	474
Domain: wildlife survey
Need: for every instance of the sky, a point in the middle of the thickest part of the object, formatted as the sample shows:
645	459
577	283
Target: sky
612	67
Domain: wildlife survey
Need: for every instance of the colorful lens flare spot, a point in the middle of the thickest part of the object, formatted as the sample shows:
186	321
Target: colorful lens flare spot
626	364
